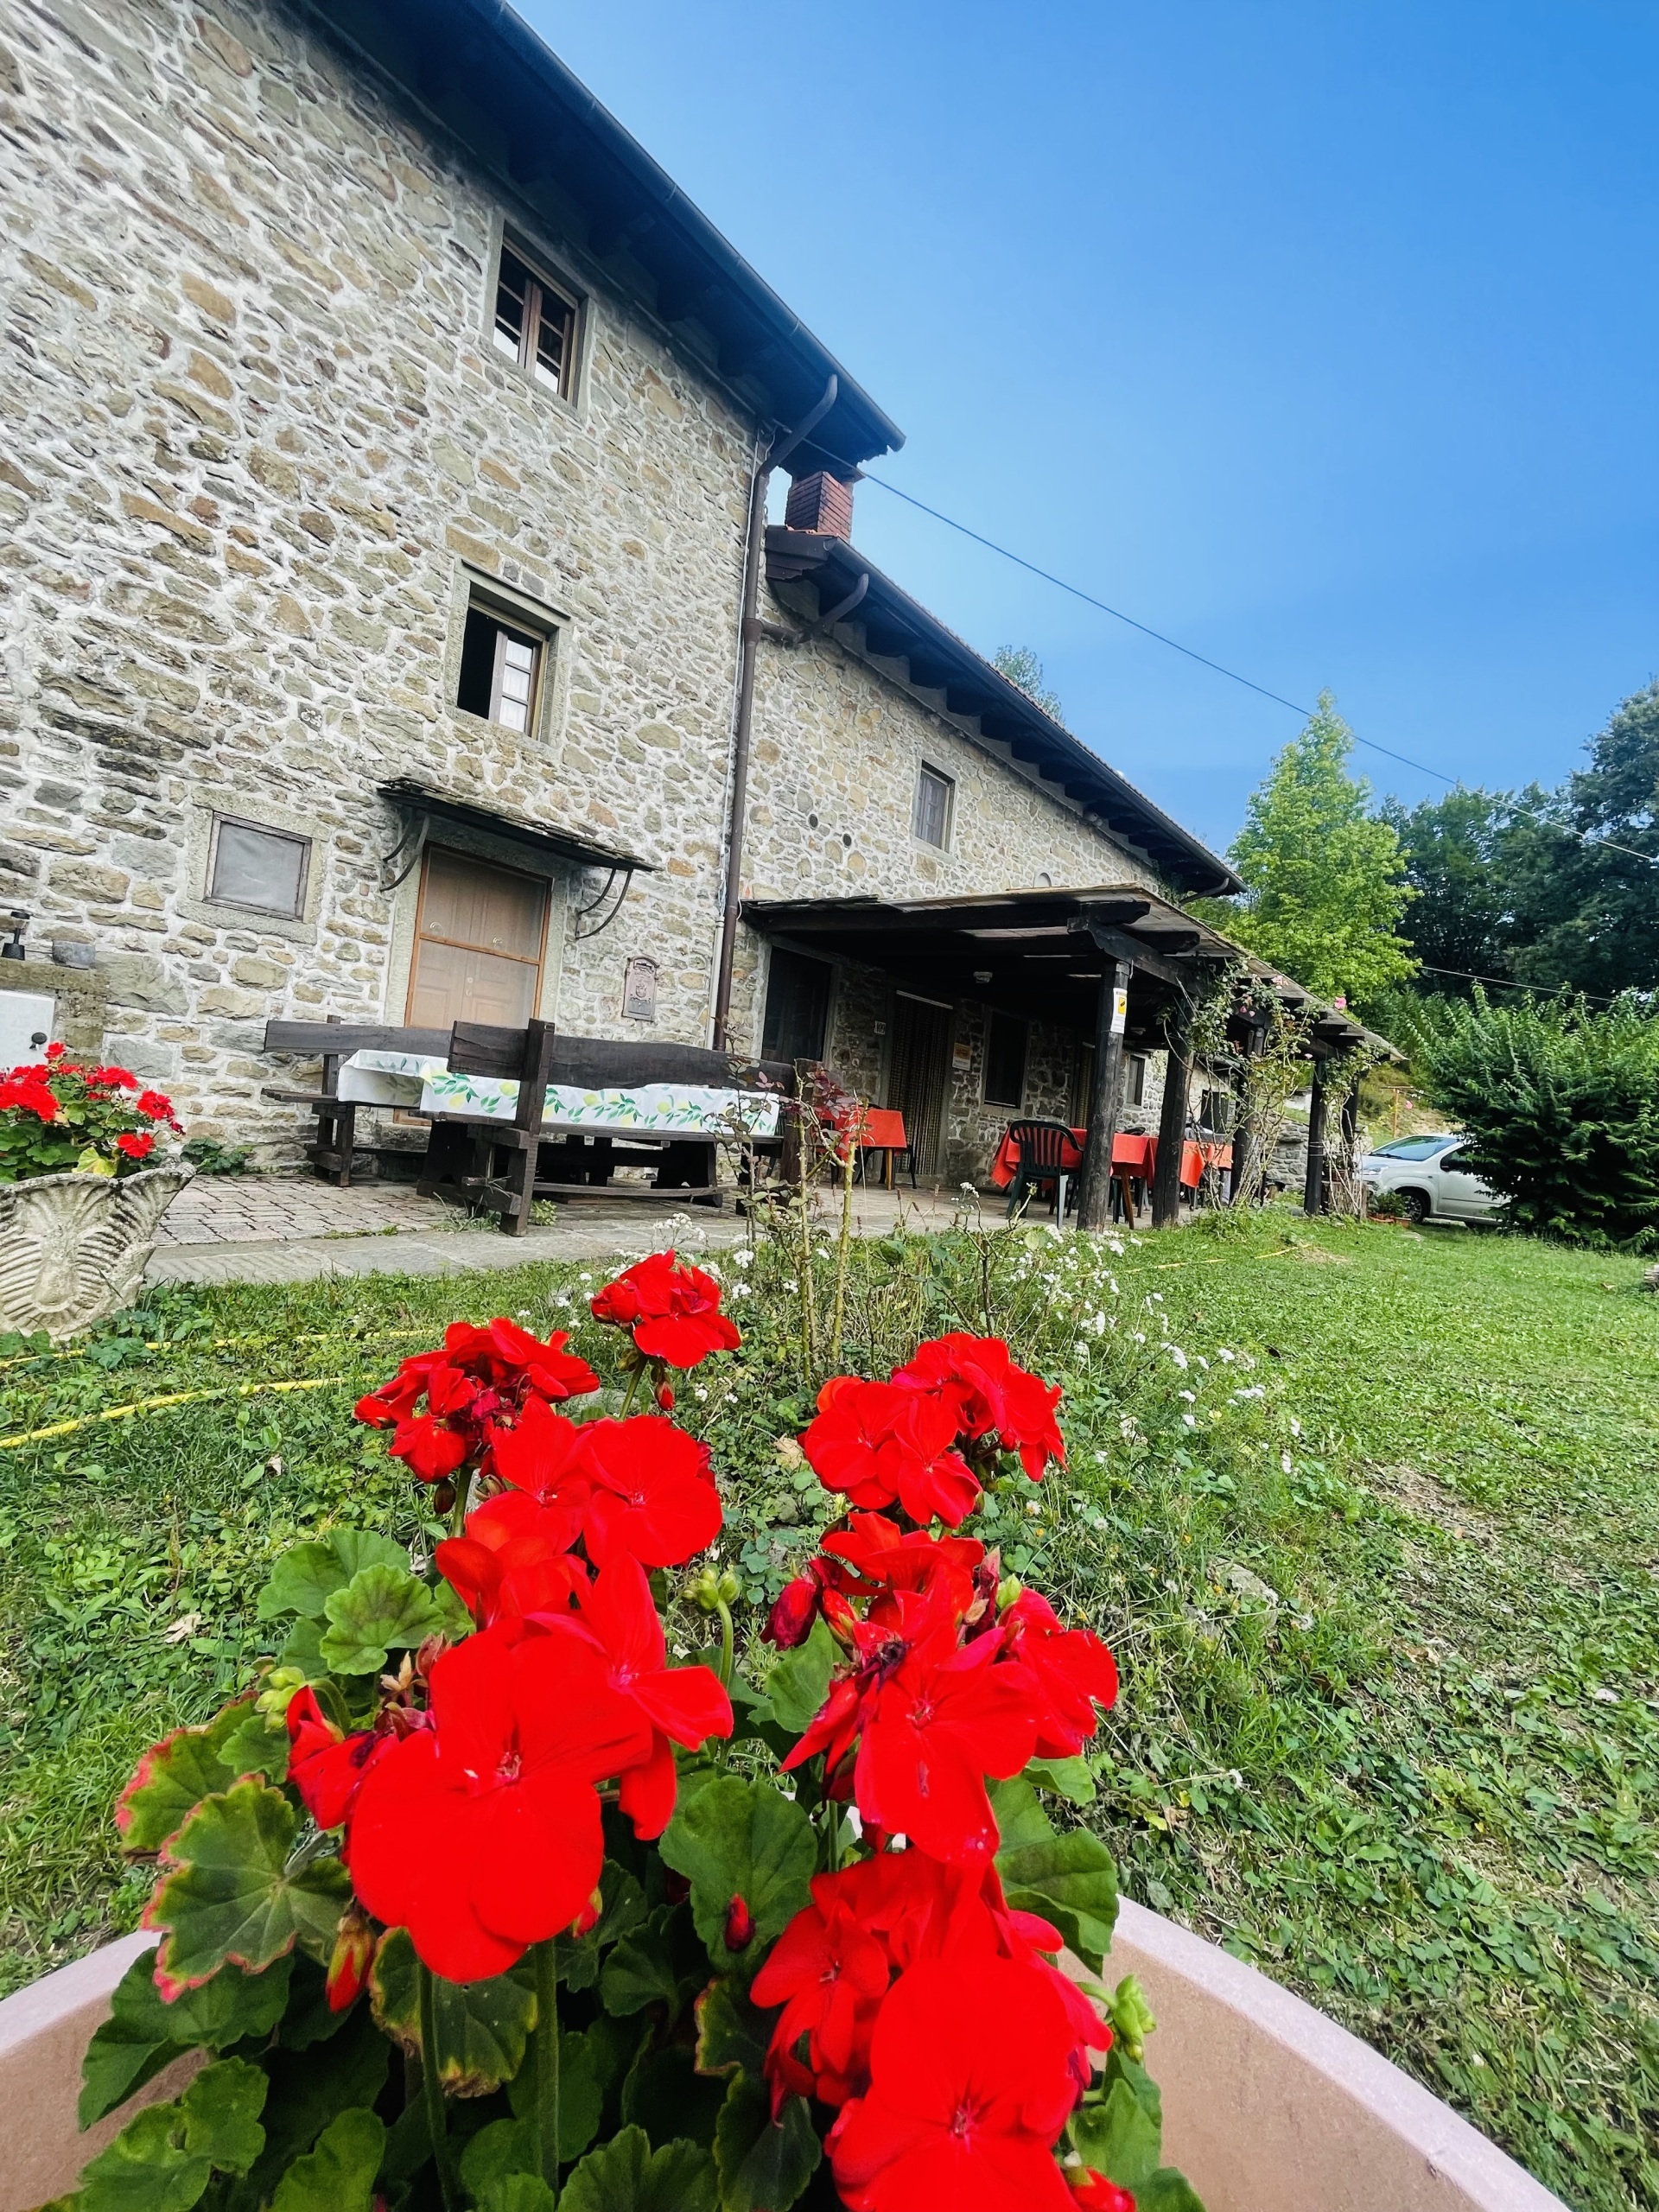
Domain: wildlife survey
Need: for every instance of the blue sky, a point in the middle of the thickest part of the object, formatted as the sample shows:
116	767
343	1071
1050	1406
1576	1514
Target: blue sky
1317	334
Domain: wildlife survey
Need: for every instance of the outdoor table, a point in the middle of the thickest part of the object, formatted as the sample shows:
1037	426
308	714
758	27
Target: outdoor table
1132	1158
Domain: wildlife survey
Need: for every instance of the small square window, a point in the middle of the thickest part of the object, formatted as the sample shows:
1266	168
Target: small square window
1005	1062
264	870
535	323
1137	1085
932	820
500	669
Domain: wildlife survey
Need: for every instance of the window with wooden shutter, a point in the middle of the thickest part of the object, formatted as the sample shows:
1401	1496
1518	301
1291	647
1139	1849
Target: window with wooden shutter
931	821
535	322
501	664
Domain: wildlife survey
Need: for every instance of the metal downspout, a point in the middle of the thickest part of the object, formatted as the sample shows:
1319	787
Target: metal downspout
750	641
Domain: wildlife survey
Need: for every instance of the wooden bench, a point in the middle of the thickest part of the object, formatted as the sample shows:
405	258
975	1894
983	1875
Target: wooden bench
504	1165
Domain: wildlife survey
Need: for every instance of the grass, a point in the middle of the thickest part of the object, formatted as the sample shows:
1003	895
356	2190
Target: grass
1368	1518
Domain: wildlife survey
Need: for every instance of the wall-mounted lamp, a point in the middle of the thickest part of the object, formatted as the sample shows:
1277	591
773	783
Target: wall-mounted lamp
13	949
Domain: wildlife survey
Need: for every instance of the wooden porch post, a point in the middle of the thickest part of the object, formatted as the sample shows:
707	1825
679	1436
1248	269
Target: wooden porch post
1313	1184
1247	1138
1095	1200
1172	1122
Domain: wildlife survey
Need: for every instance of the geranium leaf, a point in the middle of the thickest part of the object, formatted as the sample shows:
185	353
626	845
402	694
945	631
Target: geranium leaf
746	1840
233	1899
338	2176
144	2033
731	2031
482	2026
517	2193
798	1684
763	2163
381	1609
171	1780
310	2090
258	1747
622	1908
303	1649
1070	1778
626	2175
165	2156
585	2069
504	2148
1119	2138
666	2096
1167	2190
662	1962
1069	1879
306	1574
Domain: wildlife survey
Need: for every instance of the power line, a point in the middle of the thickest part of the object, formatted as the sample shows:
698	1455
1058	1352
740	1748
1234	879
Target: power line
1509	983
1453	783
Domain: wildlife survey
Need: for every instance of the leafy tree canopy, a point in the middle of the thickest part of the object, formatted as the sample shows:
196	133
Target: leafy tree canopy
1021	666
1324	879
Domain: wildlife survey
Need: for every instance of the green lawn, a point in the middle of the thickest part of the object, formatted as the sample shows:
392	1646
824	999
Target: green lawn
1384	1589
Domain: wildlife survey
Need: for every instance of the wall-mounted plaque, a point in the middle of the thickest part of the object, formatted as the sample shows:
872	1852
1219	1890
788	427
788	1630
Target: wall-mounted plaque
639	991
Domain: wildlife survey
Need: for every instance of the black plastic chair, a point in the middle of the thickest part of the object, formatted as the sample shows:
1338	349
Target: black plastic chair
1043	1150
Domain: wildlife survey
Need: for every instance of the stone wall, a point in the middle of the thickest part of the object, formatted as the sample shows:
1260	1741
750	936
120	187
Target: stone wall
257	442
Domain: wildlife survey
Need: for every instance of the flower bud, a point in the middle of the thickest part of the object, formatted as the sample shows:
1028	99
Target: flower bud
280	1683
703	1589
1007	1590
740	1926
355	1944
443	1499
729	1588
1131	2018
790	1622
666	1397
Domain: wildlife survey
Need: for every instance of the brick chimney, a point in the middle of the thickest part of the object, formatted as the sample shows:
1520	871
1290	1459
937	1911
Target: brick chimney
820	502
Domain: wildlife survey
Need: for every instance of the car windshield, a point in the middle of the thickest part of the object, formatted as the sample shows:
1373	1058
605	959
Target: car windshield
1414	1147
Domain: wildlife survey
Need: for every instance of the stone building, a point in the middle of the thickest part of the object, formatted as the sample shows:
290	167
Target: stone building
379	438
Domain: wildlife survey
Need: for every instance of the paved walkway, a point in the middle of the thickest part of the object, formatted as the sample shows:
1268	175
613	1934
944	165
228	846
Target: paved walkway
294	1229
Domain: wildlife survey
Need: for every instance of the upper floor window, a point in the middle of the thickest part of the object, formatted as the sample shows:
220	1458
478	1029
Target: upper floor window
934	796
535	322
500	669
264	870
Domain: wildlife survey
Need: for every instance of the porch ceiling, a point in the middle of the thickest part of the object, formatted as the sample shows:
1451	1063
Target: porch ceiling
1040	954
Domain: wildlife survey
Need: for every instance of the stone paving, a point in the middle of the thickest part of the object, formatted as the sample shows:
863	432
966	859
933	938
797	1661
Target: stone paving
295	1229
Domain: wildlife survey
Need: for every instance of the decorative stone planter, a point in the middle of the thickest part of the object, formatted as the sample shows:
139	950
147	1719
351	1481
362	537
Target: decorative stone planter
1269	2106
73	1248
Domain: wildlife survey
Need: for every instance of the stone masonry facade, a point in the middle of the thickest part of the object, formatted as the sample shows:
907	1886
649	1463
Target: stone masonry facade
257	451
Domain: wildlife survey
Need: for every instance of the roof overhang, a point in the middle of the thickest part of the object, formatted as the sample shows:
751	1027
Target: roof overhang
894	626
1043	954
426	803
498	90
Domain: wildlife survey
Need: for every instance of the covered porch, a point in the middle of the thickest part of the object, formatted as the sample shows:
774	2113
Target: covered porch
965	1014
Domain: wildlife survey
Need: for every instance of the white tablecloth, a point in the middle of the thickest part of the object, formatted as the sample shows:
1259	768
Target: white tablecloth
424	1085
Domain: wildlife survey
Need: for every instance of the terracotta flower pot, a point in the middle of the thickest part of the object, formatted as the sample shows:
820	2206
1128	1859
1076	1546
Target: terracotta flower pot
1269	2106
73	1248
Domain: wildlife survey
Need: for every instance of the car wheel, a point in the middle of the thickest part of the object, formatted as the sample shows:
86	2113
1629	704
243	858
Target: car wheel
1414	1207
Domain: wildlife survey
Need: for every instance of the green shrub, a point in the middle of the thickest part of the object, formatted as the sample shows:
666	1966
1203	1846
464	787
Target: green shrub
1560	1106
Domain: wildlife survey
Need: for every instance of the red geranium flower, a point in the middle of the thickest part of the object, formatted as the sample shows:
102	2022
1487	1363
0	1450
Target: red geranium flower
652	1493
883	1446
24	1087
970	2084
325	1764
55	1051
478	1386
988	1396
673	1309
136	1144
542	1455
829	1973
882	1553
482	1833
156	1104
1073	1670
680	1705
515	1559
114	1078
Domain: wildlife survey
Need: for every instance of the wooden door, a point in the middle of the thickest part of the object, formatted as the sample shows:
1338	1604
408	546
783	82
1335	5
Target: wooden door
798	1007
480	937
920	1077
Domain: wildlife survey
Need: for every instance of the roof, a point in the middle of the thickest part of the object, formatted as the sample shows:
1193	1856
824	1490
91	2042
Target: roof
1040	954
505	96
896	625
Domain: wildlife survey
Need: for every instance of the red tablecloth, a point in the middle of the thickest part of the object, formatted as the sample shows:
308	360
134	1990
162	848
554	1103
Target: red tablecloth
883	1130
1135	1155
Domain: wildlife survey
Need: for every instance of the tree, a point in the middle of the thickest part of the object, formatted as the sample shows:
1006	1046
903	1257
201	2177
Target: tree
1561	1105
1021	666
1458	924
1324	880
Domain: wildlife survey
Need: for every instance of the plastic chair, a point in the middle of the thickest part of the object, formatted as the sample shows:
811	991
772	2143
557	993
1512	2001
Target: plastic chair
1047	1153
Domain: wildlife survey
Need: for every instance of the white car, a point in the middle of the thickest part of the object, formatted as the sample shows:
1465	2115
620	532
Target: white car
1431	1177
